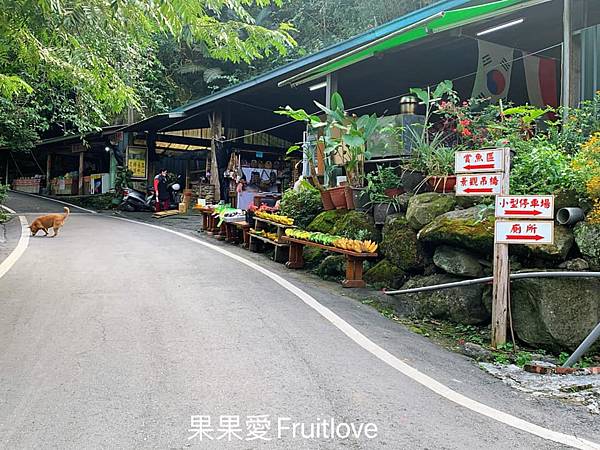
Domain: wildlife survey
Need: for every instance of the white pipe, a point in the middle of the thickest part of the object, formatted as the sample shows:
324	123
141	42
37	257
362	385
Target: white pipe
566	58
513	276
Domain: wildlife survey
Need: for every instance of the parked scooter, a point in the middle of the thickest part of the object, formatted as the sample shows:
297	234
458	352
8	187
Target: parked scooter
134	200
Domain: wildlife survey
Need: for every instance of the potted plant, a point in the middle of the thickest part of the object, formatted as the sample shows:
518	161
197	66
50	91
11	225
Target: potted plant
431	155
383	188
344	139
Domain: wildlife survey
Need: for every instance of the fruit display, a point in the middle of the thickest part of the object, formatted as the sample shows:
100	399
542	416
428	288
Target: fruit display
335	241
356	245
283	220
263	233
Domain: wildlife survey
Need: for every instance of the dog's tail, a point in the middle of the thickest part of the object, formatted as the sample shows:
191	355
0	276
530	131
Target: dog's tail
67	212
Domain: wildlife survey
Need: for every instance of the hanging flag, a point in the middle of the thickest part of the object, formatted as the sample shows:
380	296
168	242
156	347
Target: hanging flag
542	83
493	71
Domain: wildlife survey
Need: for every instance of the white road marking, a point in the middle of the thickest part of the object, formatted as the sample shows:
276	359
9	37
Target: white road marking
390	359
14	256
54	200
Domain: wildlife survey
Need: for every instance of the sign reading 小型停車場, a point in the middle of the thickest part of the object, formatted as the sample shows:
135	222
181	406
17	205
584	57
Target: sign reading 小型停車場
525	206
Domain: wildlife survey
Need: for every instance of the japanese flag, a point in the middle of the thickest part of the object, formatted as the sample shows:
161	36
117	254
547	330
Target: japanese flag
493	71
542	82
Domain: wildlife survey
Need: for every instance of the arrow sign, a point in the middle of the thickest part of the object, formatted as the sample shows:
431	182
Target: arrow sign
524	232
480	184
486	160
524	206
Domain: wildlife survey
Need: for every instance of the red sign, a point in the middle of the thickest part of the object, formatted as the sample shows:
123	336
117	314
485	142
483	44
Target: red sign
524	232
491	160
525	206
481	184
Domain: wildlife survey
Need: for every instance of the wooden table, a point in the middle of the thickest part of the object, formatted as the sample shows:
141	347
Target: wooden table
262	224
354	266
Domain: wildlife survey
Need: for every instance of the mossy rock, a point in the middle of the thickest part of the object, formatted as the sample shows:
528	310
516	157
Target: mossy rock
423	208
401	246
587	237
355	225
332	268
563	241
463	304
313	256
326	220
385	275
471	228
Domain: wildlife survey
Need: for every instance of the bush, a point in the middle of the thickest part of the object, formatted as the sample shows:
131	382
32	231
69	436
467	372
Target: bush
540	168
3	195
302	205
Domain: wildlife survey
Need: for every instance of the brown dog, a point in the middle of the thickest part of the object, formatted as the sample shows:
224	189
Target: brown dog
54	221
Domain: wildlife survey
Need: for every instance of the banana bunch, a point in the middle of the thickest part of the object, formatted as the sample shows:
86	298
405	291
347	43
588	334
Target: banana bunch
354	245
275	218
298	234
272	236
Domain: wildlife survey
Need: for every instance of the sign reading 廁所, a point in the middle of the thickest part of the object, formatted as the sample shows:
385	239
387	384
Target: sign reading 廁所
490	160
525	206
524	232
480	184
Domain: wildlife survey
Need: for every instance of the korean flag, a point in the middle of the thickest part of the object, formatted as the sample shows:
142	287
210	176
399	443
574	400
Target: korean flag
493	71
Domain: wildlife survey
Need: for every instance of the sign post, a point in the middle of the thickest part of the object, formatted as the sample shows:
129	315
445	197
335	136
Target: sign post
501	286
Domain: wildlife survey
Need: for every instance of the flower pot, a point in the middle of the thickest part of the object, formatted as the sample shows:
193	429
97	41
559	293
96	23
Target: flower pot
360	199
442	184
382	210
413	181
338	197
393	192
326	200
349	197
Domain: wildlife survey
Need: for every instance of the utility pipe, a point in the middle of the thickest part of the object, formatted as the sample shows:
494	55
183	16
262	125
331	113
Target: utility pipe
583	347
569	216
513	276
566	58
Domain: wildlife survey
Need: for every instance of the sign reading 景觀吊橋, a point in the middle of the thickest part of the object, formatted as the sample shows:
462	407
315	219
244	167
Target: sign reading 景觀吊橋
479	184
478	161
524	232
525	206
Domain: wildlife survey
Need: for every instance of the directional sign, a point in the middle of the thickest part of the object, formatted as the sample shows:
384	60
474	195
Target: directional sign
525	206
491	160
480	184
524	232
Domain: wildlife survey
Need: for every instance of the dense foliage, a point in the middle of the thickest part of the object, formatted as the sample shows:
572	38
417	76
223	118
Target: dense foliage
302	205
74	65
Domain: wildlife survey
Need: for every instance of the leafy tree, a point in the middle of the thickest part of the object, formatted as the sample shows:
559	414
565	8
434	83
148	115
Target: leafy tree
75	65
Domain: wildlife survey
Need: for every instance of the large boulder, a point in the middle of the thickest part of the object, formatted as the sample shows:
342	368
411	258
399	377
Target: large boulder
462	304
401	246
555	313
471	228
423	208
563	241
587	237
385	275
355	225
457	262
326	220
332	268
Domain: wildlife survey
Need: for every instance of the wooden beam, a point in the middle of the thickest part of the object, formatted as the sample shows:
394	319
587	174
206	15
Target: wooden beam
216	132
80	186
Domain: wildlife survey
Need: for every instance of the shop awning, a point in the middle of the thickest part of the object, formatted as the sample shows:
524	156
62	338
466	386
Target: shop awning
412	31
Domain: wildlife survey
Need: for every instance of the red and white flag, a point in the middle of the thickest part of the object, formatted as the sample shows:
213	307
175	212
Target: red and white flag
540	74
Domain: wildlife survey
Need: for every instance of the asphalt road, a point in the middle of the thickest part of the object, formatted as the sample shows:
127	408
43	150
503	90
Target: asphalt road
114	334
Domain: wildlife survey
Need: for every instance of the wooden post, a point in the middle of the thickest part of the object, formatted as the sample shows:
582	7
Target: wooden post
48	171
80	181
216	132
501	285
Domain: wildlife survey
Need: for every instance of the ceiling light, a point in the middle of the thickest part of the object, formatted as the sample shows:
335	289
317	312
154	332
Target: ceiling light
321	85
501	27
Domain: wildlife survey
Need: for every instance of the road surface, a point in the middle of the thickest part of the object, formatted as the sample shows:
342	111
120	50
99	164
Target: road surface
115	334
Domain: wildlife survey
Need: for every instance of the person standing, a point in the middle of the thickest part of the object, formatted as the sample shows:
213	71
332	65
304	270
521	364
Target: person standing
161	191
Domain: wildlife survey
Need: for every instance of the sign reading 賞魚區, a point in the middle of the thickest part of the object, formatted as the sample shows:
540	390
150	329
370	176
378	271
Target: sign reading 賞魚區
477	161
